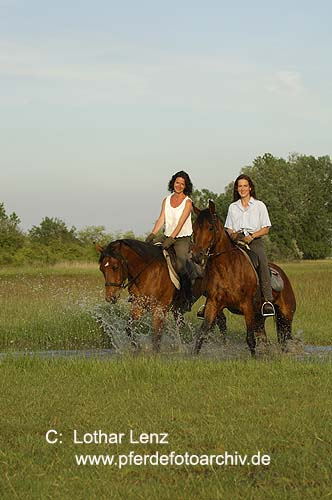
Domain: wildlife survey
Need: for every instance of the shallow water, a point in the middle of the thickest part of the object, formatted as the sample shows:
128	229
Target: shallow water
219	353
175	343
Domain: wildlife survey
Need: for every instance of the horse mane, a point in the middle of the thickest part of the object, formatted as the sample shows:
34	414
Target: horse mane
146	251
204	214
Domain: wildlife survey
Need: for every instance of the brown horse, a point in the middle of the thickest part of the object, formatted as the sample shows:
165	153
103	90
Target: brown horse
231	282
141	268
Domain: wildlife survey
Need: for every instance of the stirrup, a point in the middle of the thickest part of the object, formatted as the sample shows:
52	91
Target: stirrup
272	313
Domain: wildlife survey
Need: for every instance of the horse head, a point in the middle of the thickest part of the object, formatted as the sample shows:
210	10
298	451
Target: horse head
112	266
207	229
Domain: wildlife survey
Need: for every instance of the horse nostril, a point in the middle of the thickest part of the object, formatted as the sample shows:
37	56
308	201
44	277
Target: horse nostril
197	258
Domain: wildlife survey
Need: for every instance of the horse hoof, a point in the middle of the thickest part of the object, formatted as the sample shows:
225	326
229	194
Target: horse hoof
197	348
136	348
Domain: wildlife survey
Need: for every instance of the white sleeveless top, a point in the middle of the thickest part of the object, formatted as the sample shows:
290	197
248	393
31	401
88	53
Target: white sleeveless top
172	216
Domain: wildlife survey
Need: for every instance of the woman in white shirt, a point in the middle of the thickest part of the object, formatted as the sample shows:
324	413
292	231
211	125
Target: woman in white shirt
248	220
176	216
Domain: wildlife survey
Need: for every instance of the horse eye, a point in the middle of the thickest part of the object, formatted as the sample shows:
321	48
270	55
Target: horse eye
115	268
211	228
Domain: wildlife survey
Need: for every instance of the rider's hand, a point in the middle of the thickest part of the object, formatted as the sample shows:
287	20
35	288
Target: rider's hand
150	238
168	242
248	239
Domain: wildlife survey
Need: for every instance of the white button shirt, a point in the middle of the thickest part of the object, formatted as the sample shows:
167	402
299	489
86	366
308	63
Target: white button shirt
249	220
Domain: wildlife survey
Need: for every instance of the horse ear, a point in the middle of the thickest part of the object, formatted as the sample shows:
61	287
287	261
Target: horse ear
212	207
196	210
98	247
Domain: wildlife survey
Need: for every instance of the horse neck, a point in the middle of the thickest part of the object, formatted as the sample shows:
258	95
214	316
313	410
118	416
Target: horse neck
223	242
135	262
132	258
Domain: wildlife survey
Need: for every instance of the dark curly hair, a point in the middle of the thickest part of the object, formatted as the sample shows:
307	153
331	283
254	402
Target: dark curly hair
189	186
236	195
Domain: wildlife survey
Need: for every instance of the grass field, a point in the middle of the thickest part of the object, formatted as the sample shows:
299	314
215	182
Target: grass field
279	405
57	308
281	409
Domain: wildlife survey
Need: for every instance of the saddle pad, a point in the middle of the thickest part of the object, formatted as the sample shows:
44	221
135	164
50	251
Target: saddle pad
172	273
277	282
250	262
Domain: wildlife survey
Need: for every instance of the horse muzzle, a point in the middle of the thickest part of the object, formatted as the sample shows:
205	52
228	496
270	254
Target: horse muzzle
200	258
112	299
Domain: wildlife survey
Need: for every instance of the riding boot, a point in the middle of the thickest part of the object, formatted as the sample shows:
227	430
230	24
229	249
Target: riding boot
187	292
264	278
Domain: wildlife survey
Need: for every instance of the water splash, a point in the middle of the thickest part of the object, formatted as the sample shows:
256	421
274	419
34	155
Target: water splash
176	339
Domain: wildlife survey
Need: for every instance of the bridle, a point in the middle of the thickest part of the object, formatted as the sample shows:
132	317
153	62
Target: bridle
125	270
210	250
118	256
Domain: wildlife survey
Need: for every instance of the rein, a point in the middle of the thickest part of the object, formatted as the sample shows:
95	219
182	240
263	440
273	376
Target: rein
208	252
124	264
222	253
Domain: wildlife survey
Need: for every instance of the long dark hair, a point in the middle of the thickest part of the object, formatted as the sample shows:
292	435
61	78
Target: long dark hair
188	188
236	195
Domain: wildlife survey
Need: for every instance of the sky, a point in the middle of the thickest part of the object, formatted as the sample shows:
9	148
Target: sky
102	101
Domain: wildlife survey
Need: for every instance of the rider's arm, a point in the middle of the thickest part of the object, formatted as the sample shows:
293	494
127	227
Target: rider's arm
229	222
257	234
184	216
161	219
261	232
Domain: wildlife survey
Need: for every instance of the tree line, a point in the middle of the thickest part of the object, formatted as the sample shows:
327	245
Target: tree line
296	190
297	193
49	242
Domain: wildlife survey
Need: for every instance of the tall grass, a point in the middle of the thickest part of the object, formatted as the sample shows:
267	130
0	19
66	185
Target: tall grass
49	310
63	307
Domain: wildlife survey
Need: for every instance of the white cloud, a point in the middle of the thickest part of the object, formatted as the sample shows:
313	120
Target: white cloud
287	82
110	73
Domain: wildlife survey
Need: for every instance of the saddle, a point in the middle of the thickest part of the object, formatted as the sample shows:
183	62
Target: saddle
277	282
194	271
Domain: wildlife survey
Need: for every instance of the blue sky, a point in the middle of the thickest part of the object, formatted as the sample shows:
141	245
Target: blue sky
101	102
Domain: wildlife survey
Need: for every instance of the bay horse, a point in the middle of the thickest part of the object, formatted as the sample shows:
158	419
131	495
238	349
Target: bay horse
231	282
141	267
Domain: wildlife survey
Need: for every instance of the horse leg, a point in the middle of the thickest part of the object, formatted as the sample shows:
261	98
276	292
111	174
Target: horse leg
179	319
211	311
284	326
136	312
260	328
158	321
179	325
220	321
251	328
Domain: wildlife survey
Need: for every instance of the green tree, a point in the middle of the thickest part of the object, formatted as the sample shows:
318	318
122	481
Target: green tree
313	205
201	200
11	236
90	234
275	182
52	230
297	194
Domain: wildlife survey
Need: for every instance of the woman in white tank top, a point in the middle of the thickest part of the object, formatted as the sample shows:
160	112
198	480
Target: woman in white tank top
176	216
